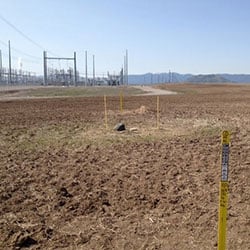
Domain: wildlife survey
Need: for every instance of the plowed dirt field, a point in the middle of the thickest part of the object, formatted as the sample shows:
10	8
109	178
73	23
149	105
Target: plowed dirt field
67	182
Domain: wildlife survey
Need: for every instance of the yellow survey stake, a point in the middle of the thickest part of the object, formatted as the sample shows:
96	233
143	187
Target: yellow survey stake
224	187
225	137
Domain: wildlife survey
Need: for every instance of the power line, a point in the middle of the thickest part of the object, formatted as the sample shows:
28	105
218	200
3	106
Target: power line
26	54
36	61
5	44
23	59
20	32
21	52
23	35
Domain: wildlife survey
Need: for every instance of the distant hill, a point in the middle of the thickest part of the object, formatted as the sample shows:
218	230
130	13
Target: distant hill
207	78
151	78
240	78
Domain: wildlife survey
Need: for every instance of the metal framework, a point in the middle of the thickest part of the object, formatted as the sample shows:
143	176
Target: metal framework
45	67
1	65
10	79
125	71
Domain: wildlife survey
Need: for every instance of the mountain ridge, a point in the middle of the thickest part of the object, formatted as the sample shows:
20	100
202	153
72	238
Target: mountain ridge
155	78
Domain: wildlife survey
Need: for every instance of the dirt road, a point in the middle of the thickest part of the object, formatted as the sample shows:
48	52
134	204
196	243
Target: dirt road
154	91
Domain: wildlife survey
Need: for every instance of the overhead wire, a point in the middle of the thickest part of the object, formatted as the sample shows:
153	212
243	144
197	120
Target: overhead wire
26	54
36	59
20	32
5	44
23	59
24	35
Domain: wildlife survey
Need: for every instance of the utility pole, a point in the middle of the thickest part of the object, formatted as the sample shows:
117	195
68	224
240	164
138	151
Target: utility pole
10	80
75	74
1	65
45	76
121	76
93	69
124	74
86	68
127	66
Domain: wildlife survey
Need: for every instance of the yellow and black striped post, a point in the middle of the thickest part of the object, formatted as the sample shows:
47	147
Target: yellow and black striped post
223	195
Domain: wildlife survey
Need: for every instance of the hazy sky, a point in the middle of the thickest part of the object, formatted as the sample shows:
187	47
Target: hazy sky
186	36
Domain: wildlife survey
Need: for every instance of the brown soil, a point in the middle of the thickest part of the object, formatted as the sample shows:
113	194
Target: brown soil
68	183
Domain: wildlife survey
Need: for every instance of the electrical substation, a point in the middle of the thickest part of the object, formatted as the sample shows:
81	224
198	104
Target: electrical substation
59	71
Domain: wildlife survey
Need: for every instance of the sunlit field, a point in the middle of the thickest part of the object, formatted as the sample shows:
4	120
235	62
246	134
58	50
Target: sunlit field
70	181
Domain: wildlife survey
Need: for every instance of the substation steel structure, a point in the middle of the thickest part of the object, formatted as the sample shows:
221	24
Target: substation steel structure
45	67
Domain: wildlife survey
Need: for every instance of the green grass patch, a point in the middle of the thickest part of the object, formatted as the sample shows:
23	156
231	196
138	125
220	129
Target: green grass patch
60	91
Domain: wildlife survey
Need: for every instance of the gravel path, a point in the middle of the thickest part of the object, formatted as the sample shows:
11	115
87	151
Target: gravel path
154	91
